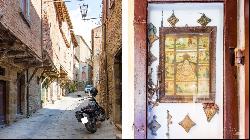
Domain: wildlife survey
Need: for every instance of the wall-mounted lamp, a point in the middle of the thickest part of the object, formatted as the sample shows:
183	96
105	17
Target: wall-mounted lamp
84	12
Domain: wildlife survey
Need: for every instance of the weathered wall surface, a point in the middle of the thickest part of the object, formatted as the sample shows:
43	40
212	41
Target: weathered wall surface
113	43
97	50
28	33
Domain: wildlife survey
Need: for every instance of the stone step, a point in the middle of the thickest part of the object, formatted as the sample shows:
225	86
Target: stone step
118	133
118	136
119	126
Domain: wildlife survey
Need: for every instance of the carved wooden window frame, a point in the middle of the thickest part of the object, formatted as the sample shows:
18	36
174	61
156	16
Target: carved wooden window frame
189	31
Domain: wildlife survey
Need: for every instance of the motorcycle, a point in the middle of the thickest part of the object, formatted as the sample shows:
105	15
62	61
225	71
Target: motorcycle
91	114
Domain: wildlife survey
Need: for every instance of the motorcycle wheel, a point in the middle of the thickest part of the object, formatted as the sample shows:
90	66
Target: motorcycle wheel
91	127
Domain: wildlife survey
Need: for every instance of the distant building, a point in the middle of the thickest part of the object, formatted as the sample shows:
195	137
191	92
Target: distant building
85	63
59	42
96	36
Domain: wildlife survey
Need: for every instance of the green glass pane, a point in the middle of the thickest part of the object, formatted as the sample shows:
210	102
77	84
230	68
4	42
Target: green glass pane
169	42
203	87
203	57
204	42
169	59
203	72
169	70
169	87
186	88
186	43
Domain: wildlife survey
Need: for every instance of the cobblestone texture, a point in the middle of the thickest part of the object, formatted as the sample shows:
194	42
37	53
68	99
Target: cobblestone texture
57	121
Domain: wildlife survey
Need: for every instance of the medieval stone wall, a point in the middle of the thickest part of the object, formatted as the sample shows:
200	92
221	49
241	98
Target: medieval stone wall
97	50
28	31
113	43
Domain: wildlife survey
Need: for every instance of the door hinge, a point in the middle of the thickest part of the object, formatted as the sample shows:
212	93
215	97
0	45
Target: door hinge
237	56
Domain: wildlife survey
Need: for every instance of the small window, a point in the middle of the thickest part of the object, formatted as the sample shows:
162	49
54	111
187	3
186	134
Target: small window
25	7
2	71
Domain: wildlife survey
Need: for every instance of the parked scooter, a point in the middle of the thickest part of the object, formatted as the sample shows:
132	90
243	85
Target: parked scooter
92	113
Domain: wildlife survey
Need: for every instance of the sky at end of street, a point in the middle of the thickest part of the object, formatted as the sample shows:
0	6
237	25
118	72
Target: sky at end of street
80	26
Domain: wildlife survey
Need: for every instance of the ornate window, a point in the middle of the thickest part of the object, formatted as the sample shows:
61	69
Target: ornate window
188	62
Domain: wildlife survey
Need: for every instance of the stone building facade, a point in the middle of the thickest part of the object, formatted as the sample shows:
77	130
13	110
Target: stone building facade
84	55
36	56
21	59
111	64
96	37
59	43
85	60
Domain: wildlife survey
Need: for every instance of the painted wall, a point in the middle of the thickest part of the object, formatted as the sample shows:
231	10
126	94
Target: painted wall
241	69
188	14
97	50
128	69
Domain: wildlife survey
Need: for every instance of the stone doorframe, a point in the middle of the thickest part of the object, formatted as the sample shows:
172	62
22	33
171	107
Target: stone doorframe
231	125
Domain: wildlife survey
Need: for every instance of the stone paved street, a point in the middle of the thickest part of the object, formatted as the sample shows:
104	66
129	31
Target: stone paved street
57	121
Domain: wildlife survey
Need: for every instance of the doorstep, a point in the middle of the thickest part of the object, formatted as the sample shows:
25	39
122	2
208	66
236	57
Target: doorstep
118	126
118	133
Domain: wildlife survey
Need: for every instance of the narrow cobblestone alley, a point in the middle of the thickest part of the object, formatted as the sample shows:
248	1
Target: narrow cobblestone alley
57	121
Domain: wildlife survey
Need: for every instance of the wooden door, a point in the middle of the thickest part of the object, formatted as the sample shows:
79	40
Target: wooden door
2	101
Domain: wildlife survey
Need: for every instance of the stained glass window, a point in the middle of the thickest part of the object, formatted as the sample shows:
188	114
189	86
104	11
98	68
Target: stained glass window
187	53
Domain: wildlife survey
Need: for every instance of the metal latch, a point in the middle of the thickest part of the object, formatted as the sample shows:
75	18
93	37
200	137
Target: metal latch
237	56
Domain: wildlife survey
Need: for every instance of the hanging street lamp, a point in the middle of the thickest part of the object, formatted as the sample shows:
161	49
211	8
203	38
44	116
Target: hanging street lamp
84	12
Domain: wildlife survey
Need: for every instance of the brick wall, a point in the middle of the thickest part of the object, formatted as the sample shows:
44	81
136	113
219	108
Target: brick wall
34	91
30	34
97	50
113	44
11	92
